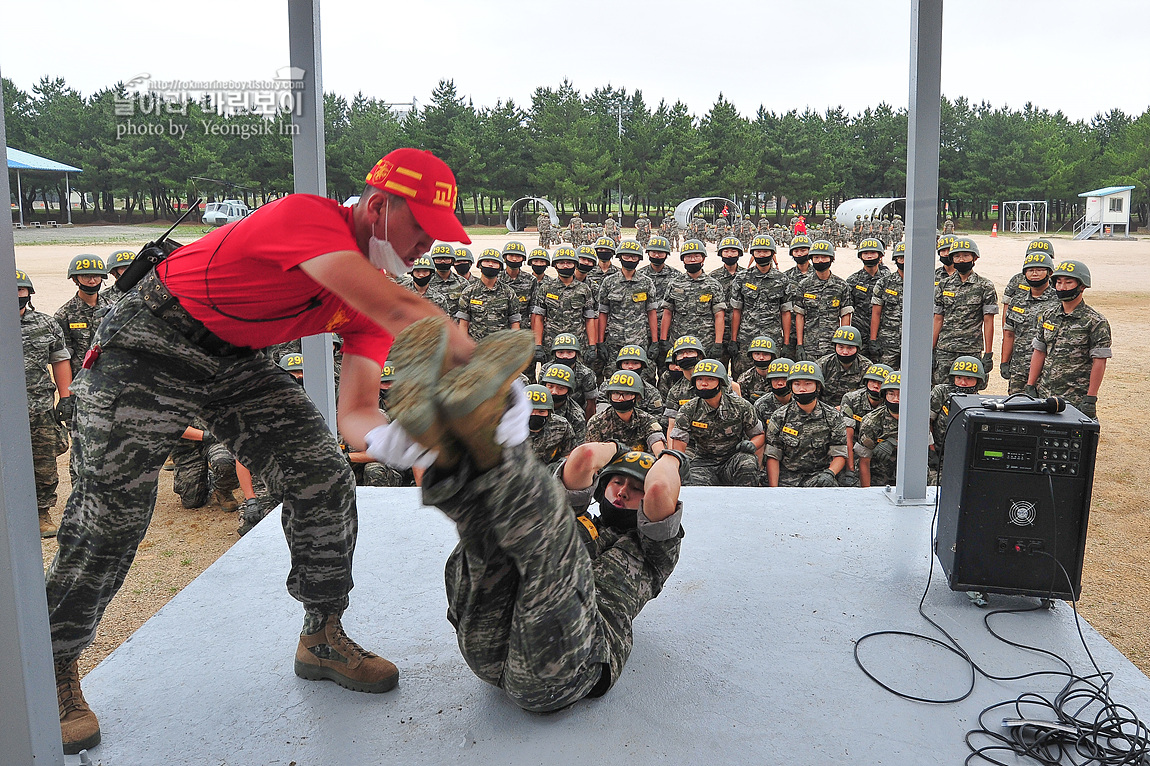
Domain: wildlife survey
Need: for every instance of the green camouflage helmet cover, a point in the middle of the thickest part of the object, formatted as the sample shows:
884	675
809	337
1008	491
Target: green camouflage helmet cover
565	341
604	243
539	254
565	253
877	372
632	351
799	241
442	250
539	397
87	265
806	371
387	373
822	247
121	258
710	368
968	365
559	374
762	343
625	381
634	464
1074	269
848	335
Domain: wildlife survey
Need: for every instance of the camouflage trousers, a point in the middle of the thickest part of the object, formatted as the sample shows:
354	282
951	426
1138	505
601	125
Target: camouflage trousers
1019	369
200	468
131	408
380	475
846	478
533	613
49	441
737	470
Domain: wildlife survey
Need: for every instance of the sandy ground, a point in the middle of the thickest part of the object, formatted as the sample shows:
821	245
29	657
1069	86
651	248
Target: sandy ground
1116	596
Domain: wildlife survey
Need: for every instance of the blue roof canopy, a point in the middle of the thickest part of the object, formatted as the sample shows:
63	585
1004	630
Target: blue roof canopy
1106	192
18	160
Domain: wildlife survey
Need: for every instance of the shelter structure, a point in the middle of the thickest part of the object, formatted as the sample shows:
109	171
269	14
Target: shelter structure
1106	210
1024	214
872	206
18	160
685	209
516	214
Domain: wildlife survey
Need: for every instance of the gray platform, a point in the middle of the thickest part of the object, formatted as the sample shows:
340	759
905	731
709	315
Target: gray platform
746	657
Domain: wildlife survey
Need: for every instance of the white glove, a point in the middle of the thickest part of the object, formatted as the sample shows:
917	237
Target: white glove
512	429
391	445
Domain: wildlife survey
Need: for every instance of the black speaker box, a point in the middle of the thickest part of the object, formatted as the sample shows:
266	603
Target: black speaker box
1014	492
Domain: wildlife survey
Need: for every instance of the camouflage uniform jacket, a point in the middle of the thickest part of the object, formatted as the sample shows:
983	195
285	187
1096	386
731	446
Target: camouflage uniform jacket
887	292
564	308
796	276
855	406
626	303
586	387
939	412
643	230
962	305
803	443
595	279
573	413
678	395
442	292
487	310
754	385
43	344
725	280
712	434
1072	342
861	286
1021	318
524	286
651	401
641	432
761	299
554	441
662	279
940	273
878	426
694	304
1017	285
837	381
822	302
78	320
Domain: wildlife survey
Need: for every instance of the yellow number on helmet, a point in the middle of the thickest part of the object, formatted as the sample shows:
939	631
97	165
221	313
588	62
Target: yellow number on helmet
1066	266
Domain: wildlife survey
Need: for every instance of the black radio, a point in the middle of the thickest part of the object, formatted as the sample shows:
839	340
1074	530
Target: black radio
1014	495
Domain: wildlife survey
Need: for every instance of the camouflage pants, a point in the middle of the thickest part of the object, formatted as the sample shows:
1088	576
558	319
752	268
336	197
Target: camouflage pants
846	478
891	355
533	613
380	475
1019	369
738	470
200	468
49	441
131	408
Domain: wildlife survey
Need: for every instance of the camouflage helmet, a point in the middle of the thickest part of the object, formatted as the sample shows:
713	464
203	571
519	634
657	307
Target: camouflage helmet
442	250
762	343
692	246
893	382
877	372
87	265
587	251
121	258
558	374
386	373
23	280
464	254
604	243
539	397
870	245
491	254
1075	270
945	242
798	241
1041	245
634	352
514	247
730	242
968	365
564	253
848	335
423	262
710	368
539	254
897	217
1037	259
899	250
625	381
822	247
633	464
780	368
565	341
630	246
806	371
292	362
858	216
964	245
685	343
763	242
659	244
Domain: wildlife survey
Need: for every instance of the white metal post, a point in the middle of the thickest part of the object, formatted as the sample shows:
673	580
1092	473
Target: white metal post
310	176
19	190
29	719
922	215
68	196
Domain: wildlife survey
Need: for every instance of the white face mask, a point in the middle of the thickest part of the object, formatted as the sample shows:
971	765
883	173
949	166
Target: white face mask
382	254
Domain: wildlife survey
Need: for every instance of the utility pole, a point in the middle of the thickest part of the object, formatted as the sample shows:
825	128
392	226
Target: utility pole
620	163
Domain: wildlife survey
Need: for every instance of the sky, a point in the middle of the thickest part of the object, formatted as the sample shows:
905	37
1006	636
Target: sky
1079	57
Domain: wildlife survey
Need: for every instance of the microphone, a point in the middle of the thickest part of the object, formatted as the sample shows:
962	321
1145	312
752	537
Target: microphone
1050	404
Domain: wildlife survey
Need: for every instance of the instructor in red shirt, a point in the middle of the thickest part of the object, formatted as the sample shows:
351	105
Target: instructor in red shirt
182	346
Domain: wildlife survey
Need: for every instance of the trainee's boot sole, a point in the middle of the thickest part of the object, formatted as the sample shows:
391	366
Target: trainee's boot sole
418	358
496	361
319	673
87	743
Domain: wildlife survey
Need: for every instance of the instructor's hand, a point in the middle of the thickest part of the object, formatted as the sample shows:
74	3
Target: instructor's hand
391	445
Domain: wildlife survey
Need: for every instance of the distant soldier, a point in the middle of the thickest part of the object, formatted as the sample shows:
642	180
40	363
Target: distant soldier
79	316
754	383
780	393
543	223
695	303
1017	284
1020	319
464	261
560	380
622	420
488	304
761	301
806	443
522	283
898	228
948	225
730	250
856	230
670	231
821	304
964	309
886	312
843	369
1072	345
611	229
627	304
747	232
552	437
719	431
563	304
764	226
418	280
575	229
643	229
658	250
861	284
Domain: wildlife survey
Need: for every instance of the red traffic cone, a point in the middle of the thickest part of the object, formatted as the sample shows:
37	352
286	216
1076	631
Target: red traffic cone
994	230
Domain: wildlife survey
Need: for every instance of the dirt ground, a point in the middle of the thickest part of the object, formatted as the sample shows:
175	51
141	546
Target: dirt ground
181	543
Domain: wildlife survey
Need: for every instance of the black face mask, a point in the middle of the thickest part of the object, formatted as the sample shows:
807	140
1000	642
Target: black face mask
871	261
657	260
586	268
946	260
616	517
539	268
489	271
708	393
731	260
675	375
24	301
628	264
783	391
898	264
443	268
892	408
821	267
421	281
693	268
806	398
299	380
873	396
89	290
966	389
965	267
1068	295
846	359
383	392
1036	283
565	271
761	364
764	262
536	422
801	259
570	362
462	268
627	405
686	363
560	400
513	265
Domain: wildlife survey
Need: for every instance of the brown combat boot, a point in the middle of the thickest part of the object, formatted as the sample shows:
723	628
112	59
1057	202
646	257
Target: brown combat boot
329	654
473	398
419	357
79	728
47	528
225	499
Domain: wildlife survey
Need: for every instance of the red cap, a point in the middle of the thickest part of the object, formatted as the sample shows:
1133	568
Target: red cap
428	186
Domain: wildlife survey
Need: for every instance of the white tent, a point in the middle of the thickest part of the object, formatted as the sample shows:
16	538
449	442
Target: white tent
864	206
